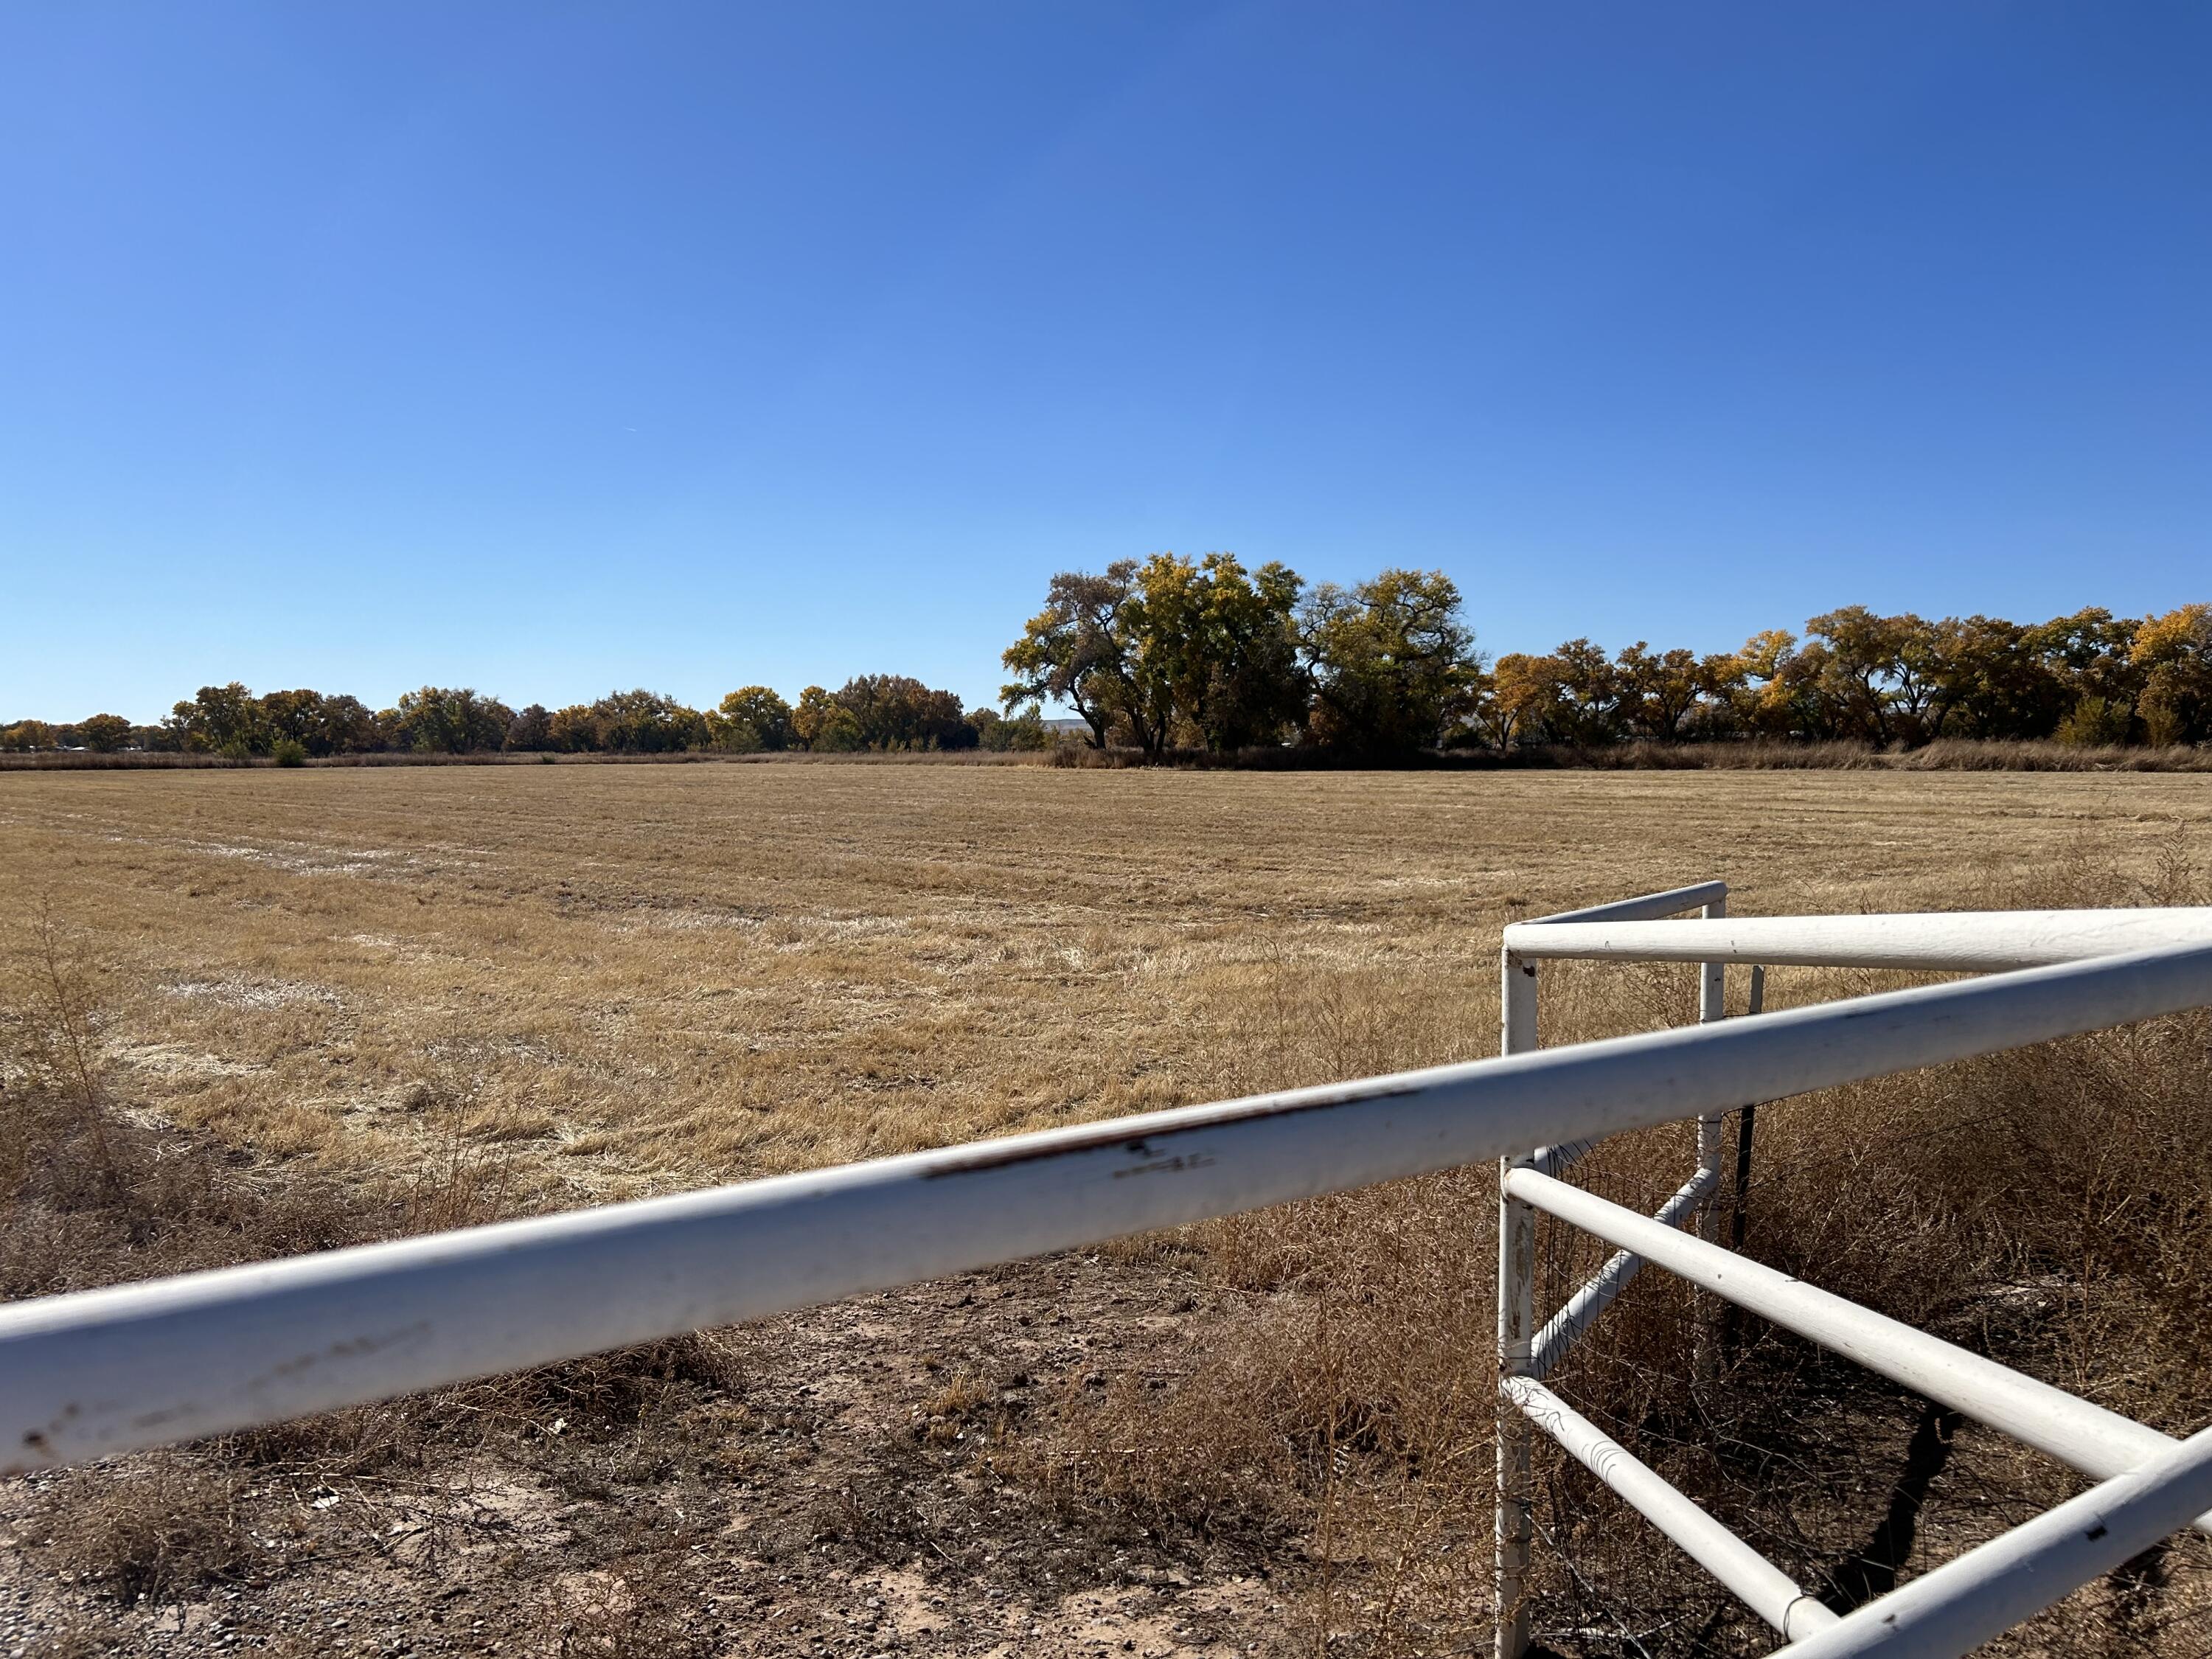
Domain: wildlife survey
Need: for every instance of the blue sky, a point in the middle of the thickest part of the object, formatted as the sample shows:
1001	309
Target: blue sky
550	348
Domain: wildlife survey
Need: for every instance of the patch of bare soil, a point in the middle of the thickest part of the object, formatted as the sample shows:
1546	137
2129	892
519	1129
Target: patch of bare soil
820	1483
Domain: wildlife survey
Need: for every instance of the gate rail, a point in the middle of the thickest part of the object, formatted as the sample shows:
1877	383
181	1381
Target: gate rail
95	1373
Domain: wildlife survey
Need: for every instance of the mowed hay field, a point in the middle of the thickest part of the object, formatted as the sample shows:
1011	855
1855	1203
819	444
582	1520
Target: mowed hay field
593	982
645	977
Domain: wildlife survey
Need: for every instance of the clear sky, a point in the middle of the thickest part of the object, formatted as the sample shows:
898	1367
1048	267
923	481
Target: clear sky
550	348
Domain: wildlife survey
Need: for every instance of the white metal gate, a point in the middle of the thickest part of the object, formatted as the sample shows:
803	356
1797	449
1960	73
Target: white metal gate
2152	1485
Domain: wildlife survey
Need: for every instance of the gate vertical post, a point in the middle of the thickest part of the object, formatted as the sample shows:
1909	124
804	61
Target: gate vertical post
1732	1316
1516	1324
1712	1005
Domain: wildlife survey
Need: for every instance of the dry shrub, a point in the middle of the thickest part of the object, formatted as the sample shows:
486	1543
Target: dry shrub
619	1396
637	1607
1338	1420
146	1530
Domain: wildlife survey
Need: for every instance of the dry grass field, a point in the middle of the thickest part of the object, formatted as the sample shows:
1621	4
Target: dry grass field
407	997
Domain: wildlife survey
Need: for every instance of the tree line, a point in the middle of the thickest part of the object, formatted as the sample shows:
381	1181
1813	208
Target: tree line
1172	652
2088	678
886	712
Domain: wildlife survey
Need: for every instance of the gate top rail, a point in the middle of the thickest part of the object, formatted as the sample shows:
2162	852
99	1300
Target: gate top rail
1961	941
99	1372
1644	906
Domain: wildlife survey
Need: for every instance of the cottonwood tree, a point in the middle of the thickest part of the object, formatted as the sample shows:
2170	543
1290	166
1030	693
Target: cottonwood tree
573	728
1002	733
750	719
531	730
2090	654
1218	646
1582	706
104	733
1392	663
1073	650
1877	670
447	720
822	724
221	720
897	711
2173	653
1658	690
1511	699
1989	679
1756	683
643	723
320	724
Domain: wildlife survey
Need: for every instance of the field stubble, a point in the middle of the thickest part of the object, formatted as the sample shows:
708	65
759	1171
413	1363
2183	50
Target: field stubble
347	1003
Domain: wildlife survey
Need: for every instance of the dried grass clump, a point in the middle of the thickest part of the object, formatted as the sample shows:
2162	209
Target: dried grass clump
149	1531
638	1608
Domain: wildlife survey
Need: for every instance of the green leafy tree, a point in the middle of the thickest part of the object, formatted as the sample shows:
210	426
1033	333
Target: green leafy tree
531	730
221	719
1989	678
293	717
320	724
347	728
1218	645
447	720
1002	733
897	711
1074	651
1393	666
2093	721
823	724
2090	654
643	723
104	733
752	719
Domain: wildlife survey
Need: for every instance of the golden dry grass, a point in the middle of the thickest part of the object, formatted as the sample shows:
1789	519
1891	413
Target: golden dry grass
643	977
629	979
